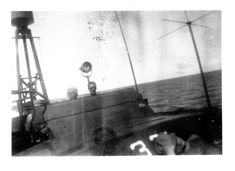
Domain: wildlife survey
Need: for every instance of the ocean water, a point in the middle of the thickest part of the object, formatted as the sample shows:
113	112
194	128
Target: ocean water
183	92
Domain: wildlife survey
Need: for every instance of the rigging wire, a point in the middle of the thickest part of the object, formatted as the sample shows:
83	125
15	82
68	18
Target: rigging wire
199	25
203	16
186	15
171	32
186	23
173	21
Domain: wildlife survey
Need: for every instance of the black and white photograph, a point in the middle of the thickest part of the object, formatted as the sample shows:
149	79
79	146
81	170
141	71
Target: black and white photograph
116	83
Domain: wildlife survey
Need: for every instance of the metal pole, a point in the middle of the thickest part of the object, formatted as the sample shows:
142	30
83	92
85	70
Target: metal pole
38	66
19	102
200	65
29	75
128	54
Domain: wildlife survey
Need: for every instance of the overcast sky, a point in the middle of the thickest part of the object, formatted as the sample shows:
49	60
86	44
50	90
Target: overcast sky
67	39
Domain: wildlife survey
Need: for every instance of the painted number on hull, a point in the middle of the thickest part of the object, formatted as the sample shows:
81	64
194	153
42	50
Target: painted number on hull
142	149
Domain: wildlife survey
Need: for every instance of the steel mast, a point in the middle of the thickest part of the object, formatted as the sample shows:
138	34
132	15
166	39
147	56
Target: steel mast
128	53
189	24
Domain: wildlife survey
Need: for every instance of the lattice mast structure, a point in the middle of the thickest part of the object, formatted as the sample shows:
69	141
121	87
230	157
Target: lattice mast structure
27	87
